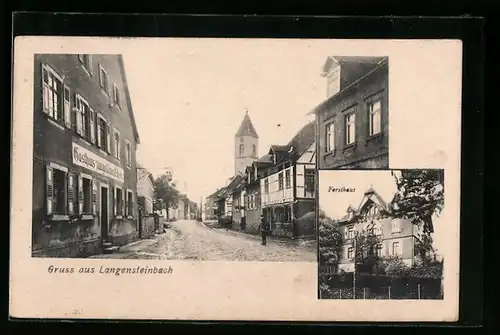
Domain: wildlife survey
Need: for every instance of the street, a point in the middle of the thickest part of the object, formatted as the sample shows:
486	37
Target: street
191	240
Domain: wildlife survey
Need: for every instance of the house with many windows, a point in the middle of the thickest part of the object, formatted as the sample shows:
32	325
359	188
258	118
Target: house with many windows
373	216
353	130
145	190
84	168
288	185
252	198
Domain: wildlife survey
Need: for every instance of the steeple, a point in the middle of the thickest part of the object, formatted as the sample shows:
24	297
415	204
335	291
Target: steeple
246	127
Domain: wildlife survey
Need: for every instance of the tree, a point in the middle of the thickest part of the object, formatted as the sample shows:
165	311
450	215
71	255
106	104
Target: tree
330	240
420	195
365	251
165	194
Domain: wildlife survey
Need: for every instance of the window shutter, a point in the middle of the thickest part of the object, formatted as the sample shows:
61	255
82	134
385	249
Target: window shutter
80	194
92	126
45	91
115	204
123	202
78	116
108	140
91	67
94	196
80	57
67	107
99	131
50	189
71	194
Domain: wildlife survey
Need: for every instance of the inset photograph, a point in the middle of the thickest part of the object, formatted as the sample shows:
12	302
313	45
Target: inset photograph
380	234
354	119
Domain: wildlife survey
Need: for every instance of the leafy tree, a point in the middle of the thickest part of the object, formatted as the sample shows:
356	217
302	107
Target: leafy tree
165	194
365	244
420	195
330	240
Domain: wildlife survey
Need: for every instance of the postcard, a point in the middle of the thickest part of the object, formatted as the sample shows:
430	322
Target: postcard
235	179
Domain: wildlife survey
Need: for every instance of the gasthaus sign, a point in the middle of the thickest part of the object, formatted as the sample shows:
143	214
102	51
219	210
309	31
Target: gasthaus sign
87	159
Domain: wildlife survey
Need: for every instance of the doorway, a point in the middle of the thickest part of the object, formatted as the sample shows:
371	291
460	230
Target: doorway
104	213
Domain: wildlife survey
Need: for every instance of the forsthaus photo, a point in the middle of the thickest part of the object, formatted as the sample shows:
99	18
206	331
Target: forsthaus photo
380	234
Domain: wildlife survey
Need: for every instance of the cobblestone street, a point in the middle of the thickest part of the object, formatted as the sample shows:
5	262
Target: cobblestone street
191	240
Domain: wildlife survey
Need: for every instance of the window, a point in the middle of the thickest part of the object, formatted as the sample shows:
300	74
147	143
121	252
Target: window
350	233
330	136
119	202
130	203
242	148
266	185
350	128
52	94
254	150
85	119
350	253
86	60
280	181
395	249
129	154
395	227
117	145
309	179
288	181
374	117
378	250
84	194
103	79
116	95
334	82
56	191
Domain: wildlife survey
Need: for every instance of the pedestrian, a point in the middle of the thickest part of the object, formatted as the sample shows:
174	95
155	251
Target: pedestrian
264	229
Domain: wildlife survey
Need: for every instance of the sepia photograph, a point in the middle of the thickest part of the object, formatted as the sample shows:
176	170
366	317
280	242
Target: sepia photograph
354	120
250	175
116	178
380	234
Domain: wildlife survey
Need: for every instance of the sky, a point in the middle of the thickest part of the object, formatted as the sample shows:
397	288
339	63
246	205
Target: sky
335	203
189	97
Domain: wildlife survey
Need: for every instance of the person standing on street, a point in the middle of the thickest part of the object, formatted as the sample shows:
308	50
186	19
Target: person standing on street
264	229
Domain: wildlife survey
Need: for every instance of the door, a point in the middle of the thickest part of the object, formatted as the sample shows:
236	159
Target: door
104	213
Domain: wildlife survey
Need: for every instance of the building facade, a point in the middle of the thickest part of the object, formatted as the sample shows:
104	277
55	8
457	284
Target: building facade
246	145
84	164
145	190
394	237
252	200
353	129
288	186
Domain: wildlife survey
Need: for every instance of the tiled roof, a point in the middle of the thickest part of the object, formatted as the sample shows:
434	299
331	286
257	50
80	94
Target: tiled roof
303	139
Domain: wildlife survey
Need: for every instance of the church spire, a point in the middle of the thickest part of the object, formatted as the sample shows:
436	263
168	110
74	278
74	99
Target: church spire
246	128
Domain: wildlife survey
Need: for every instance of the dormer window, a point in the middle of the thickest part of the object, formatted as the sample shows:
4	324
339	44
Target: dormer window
333	78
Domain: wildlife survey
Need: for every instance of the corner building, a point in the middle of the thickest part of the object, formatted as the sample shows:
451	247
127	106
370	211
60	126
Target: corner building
84	163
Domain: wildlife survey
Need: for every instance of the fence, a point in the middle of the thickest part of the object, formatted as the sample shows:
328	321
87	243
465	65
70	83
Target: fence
418	291
367	286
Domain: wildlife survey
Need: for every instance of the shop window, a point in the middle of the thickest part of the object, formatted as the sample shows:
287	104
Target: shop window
118	202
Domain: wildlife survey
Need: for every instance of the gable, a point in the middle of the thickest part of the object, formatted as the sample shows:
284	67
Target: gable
309	155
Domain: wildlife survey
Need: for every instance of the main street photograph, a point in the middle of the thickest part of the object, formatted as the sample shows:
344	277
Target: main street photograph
195	149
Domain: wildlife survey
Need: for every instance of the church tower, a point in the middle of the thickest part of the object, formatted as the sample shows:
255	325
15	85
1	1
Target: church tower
246	145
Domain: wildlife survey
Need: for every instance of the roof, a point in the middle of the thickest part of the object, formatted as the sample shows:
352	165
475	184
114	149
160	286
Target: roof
143	172
367	196
302	140
354	70
129	102
246	128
